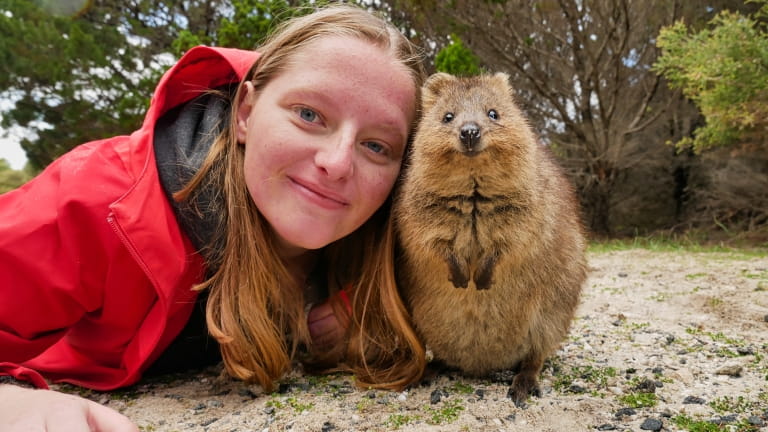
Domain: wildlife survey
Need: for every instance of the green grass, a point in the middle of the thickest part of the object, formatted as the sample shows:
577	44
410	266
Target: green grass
688	242
399	420
448	413
639	400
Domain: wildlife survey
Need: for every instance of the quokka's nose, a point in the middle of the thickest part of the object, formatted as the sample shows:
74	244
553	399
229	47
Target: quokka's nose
469	134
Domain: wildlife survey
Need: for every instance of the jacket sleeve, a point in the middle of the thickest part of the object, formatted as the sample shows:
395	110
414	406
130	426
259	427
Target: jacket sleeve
49	254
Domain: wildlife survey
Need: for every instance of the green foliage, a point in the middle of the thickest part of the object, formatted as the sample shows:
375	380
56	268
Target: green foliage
448	413
724	70
639	400
78	78
248	24
457	59
78	75
10	179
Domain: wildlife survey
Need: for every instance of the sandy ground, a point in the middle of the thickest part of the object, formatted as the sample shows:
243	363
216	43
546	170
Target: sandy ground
661	340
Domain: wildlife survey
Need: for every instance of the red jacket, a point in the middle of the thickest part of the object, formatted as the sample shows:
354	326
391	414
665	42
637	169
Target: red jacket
95	273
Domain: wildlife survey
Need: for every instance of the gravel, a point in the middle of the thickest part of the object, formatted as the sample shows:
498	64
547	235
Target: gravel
660	339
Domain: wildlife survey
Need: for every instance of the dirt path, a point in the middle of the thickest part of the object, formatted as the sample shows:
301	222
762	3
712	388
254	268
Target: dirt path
660	340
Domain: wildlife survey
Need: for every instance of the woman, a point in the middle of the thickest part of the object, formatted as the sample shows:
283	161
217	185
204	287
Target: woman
261	215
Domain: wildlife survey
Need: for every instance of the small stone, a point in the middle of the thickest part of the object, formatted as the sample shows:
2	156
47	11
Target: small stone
730	369
575	388
480	393
402	397
651	424
745	350
623	275
510	418
606	427
435	396
645	386
327	427
693	400
724	420
269	410
625	412
755	421
765	318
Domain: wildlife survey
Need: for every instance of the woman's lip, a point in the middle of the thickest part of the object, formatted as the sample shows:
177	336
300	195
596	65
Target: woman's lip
319	194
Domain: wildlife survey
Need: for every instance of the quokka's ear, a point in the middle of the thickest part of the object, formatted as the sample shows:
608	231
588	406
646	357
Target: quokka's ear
433	87
501	80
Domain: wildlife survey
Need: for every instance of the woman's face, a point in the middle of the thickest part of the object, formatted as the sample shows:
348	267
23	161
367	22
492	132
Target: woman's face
324	140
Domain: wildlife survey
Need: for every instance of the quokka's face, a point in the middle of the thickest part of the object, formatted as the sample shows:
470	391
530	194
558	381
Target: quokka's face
468	117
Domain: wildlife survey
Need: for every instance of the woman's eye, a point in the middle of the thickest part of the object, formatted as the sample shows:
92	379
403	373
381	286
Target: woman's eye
374	147
307	114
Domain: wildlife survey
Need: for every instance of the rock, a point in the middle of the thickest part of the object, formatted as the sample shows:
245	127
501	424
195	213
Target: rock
651	424
693	400
755	421
606	427
645	386
625	412
327	427
730	369
435	396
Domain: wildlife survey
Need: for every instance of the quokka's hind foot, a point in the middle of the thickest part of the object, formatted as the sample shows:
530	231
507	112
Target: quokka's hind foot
523	385
526	381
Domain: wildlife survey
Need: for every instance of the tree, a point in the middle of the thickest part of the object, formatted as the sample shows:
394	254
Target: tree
456	59
11	179
76	78
582	70
724	70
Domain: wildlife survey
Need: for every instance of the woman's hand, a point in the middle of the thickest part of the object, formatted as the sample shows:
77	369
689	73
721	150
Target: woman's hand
326	328
23	409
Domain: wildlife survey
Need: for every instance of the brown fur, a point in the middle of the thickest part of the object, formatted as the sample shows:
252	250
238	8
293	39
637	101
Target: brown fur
493	252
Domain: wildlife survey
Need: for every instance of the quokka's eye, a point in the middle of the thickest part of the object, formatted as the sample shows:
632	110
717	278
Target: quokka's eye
448	117
493	114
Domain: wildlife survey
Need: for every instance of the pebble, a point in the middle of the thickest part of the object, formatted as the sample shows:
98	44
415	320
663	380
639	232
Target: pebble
606	427
625	412
693	400
730	369
755	421
651	424
435	396
327	427
402	397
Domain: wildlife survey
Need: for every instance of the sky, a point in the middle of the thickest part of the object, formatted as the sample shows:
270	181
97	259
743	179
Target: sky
11	150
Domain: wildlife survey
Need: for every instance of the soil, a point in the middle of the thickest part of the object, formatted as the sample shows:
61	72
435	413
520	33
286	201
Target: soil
662	341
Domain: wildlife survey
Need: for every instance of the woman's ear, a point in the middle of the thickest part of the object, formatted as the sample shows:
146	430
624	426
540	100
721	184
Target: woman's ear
247	100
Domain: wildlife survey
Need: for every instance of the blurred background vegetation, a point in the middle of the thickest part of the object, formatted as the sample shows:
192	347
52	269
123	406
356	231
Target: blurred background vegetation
658	109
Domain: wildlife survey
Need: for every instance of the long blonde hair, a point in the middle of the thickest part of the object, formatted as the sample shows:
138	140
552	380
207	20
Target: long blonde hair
257	321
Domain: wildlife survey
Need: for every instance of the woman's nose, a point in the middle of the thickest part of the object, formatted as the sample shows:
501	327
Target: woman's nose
336	158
